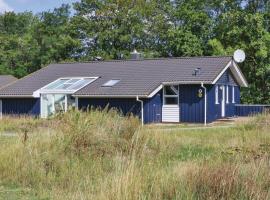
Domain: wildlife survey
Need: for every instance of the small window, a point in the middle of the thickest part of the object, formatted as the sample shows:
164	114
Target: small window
171	90
233	95
171	95
216	94
171	101
227	94
110	83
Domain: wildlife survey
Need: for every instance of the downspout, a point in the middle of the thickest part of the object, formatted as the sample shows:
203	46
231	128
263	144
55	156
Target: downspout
142	115
205	103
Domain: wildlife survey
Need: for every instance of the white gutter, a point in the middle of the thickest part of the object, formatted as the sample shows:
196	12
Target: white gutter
142	115
205	103
108	96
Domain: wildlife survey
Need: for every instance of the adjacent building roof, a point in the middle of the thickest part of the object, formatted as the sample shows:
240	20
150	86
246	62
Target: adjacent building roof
6	79
136	77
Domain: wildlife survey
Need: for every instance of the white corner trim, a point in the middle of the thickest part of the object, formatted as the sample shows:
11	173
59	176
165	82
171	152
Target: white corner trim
155	91
222	72
240	74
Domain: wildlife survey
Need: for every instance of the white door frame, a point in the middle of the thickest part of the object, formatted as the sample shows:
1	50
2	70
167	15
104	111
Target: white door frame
223	102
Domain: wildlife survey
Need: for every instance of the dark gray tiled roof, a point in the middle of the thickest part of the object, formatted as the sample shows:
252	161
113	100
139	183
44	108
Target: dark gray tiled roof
6	79
137	77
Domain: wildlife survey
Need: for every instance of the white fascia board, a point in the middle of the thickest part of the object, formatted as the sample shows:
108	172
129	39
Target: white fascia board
155	91
222	72
110	96
239	73
185	82
175	83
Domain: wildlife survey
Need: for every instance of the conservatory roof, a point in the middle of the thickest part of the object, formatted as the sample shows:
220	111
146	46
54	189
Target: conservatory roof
67	85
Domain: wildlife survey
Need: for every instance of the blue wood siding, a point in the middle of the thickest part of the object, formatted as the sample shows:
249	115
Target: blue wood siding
126	106
152	106
214	110
227	78
246	110
191	105
21	106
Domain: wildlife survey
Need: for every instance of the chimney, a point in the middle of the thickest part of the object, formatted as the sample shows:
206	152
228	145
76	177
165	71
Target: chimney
135	55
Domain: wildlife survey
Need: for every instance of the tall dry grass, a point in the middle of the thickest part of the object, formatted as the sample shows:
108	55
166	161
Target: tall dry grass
103	155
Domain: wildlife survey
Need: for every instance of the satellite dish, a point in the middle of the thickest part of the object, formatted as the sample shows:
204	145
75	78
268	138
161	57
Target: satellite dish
239	56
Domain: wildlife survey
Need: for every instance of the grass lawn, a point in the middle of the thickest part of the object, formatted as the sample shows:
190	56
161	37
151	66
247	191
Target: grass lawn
101	155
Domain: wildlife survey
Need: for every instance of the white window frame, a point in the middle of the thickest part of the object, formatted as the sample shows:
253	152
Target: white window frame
227	94
170	96
233	94
217	94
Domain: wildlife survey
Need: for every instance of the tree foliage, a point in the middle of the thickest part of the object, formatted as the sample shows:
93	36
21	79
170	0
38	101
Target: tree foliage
158	28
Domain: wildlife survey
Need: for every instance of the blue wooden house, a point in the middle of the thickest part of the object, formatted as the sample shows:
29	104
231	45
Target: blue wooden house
190	89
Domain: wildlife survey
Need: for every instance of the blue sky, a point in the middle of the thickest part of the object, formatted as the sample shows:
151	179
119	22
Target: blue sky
31	5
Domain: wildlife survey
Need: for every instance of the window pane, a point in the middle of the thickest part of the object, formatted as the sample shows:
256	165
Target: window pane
47	108
171	101
233	97
171	90
216	95
63	86
110	83
80	84
59	103
55	84
70	102
74	80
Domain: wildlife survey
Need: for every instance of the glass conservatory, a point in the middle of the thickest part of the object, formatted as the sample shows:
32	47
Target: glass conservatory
56	97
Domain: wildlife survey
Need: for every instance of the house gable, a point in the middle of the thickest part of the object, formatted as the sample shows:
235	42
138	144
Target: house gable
236	73
227	78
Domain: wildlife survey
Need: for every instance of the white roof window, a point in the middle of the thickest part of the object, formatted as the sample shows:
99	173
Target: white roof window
68	85
110	83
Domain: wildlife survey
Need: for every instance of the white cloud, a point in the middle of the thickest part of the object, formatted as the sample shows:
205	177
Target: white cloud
4	6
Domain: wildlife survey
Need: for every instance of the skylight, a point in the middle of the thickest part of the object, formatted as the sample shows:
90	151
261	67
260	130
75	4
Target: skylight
67	85
110	83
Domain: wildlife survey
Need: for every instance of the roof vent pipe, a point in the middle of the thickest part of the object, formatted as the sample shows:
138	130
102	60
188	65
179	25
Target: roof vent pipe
196	71
135	55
